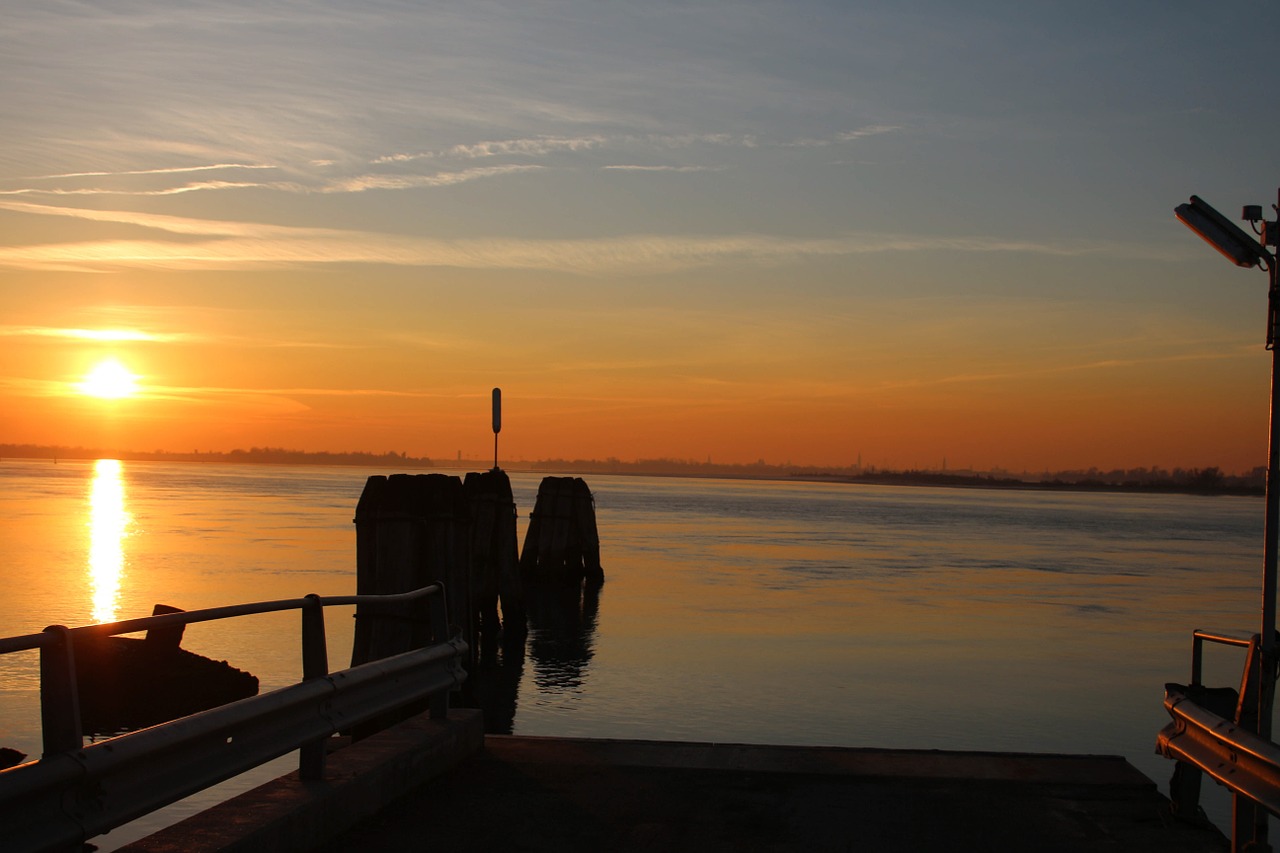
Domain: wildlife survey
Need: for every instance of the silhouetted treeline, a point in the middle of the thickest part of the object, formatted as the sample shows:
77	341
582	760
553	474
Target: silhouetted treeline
1200	480
1208	480
1193	480
262	455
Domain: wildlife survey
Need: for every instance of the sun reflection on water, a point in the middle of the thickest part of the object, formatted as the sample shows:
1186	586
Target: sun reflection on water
108	526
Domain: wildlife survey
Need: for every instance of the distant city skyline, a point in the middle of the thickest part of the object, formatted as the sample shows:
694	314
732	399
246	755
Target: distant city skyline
745	231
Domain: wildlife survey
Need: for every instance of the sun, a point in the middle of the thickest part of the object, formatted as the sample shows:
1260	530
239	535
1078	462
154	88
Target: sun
110	380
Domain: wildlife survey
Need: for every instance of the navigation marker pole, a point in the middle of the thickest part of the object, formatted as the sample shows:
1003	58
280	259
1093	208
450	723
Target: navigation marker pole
497	423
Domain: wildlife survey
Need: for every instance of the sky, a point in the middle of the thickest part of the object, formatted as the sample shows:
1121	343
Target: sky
896	232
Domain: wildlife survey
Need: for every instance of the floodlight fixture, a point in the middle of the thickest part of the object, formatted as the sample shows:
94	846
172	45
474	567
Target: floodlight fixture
1223	234
1251	213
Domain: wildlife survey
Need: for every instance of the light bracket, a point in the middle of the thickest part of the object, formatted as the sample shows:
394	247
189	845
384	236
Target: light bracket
1223	234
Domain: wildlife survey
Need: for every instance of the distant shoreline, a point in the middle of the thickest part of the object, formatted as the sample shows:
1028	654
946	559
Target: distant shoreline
979	482
1194	481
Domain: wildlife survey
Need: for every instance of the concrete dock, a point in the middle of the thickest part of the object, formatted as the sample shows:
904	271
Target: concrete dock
451	787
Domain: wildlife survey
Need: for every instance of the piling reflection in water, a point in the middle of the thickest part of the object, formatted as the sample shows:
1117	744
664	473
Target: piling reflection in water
562	633
108	527
560	641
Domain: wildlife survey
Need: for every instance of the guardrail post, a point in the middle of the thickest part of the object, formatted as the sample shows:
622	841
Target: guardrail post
59	696
315	664
1197	659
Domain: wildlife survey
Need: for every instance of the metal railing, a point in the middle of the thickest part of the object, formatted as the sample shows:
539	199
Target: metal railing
1200	637
1203	740
75	792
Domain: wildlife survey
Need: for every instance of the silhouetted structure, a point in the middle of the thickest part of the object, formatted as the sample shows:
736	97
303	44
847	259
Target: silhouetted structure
494	560
562	545
411	531
125	683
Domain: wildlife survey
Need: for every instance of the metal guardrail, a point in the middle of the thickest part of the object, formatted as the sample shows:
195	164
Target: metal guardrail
1233	756
1200	637
75	792
1235	752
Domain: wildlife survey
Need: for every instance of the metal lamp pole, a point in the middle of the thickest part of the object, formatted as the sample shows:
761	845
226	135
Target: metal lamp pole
1244	250
1265	675
1249	818
1271	533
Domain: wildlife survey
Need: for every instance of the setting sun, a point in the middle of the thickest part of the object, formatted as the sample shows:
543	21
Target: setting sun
109	379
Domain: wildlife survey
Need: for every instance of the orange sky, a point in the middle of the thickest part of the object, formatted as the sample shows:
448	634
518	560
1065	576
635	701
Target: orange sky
805	238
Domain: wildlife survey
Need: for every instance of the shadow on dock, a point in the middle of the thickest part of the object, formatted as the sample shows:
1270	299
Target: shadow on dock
569	794
557	794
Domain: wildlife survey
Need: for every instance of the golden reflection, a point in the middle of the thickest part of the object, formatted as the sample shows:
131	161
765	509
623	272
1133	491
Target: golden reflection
108	523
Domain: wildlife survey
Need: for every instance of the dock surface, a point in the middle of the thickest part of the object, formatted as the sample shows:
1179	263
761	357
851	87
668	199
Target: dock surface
566	794
558	794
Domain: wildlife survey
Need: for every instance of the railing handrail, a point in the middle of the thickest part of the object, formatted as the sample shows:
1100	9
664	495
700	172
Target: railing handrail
1200	636
75	791
31	642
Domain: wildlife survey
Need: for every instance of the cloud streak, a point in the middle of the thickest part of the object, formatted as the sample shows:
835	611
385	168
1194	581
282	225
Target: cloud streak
248	245
174	170
307	180
104	335
362	183
678	169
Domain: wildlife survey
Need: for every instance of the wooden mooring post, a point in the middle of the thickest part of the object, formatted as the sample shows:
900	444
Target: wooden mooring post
562	545
494	560
411	531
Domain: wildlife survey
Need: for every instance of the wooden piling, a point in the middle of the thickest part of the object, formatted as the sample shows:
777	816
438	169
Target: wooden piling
562	545
494	559
411	530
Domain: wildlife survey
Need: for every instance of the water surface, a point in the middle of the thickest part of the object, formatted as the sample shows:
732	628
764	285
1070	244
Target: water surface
770	612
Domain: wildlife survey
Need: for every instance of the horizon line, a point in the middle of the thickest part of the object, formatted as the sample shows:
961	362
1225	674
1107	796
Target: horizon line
79	452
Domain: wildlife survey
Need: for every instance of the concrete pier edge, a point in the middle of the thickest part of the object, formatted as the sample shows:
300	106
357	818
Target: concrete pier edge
288	814
562	793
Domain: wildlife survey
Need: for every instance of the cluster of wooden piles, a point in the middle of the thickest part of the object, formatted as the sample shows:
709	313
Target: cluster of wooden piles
417	529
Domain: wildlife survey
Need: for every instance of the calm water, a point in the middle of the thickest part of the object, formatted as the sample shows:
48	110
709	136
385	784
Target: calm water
732	611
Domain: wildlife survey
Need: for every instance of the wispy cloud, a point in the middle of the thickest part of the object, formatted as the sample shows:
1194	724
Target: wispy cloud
440	179
250	246
846	136
171	224
173	170
178	190
293	392
539	146
686	140
536	147
118	335
637	168
543	146
863	132
352	184
288	397
106	335
327	176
